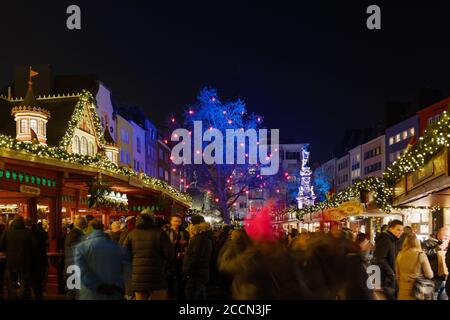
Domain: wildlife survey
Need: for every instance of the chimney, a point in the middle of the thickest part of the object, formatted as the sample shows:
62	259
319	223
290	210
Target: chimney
9	92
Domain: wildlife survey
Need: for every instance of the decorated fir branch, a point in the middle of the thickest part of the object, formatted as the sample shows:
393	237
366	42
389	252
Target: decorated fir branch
85	98
382	195
435	138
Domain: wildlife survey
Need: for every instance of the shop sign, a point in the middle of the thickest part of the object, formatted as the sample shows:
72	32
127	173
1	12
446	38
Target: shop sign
30	190
351	207
423	173
335	214
400	188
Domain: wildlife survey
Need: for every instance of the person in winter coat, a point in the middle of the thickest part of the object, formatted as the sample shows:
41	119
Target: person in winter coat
196	263
18	244
151	251
386	250
2	262
104	265
179	239
73	238
432	246
39	261
411	263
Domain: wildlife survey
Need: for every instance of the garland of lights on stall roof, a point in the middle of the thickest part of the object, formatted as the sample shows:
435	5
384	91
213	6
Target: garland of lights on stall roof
434	139
99	161
382	195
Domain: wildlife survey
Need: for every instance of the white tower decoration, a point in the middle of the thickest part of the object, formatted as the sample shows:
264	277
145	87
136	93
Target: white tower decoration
306	196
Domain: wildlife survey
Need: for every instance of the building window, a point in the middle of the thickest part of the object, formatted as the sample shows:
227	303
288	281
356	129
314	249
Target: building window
124	136
23	126
411	132
161	173
109	155
166	175
405	135
76	145
161	155
397	137
41	128
391	141
84	146
33	125
138	145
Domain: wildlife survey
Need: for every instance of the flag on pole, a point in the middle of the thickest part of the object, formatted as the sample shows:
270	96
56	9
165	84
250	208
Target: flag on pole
34	137
33	73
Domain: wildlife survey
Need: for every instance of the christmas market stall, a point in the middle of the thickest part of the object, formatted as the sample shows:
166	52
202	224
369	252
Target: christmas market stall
422	182
56	162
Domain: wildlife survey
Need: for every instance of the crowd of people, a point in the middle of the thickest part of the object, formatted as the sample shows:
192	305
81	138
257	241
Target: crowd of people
145	258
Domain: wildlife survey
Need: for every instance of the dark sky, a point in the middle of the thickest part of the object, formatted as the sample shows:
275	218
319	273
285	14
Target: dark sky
311	68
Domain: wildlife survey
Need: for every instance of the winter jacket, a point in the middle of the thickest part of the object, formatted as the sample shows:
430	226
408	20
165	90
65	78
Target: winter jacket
198	254
386	251
74	237
430	247
104	267
410	264
19	244
151	251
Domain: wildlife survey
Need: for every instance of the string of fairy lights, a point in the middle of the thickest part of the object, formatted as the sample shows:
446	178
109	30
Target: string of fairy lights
434	139
99	161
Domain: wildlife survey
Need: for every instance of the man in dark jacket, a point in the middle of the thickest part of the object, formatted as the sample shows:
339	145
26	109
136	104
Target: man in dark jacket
431	246
386	250
151	251
19	246
74	237
196	262
179	239
39	261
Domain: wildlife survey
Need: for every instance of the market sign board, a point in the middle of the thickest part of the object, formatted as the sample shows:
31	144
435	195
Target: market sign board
433	169
30	190
333	214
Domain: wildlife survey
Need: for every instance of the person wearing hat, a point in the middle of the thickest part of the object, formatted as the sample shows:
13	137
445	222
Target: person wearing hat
197	259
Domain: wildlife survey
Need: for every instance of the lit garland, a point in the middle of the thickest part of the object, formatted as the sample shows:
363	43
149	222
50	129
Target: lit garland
382	195
99	162
86	98
435	138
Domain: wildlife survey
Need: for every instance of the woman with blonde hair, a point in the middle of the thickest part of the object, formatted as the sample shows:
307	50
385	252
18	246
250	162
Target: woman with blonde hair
411	263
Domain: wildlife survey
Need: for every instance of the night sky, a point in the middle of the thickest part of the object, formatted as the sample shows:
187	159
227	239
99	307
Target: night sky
312	69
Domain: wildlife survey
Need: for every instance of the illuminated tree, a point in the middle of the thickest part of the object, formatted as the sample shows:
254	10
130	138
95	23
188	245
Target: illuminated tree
225	183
